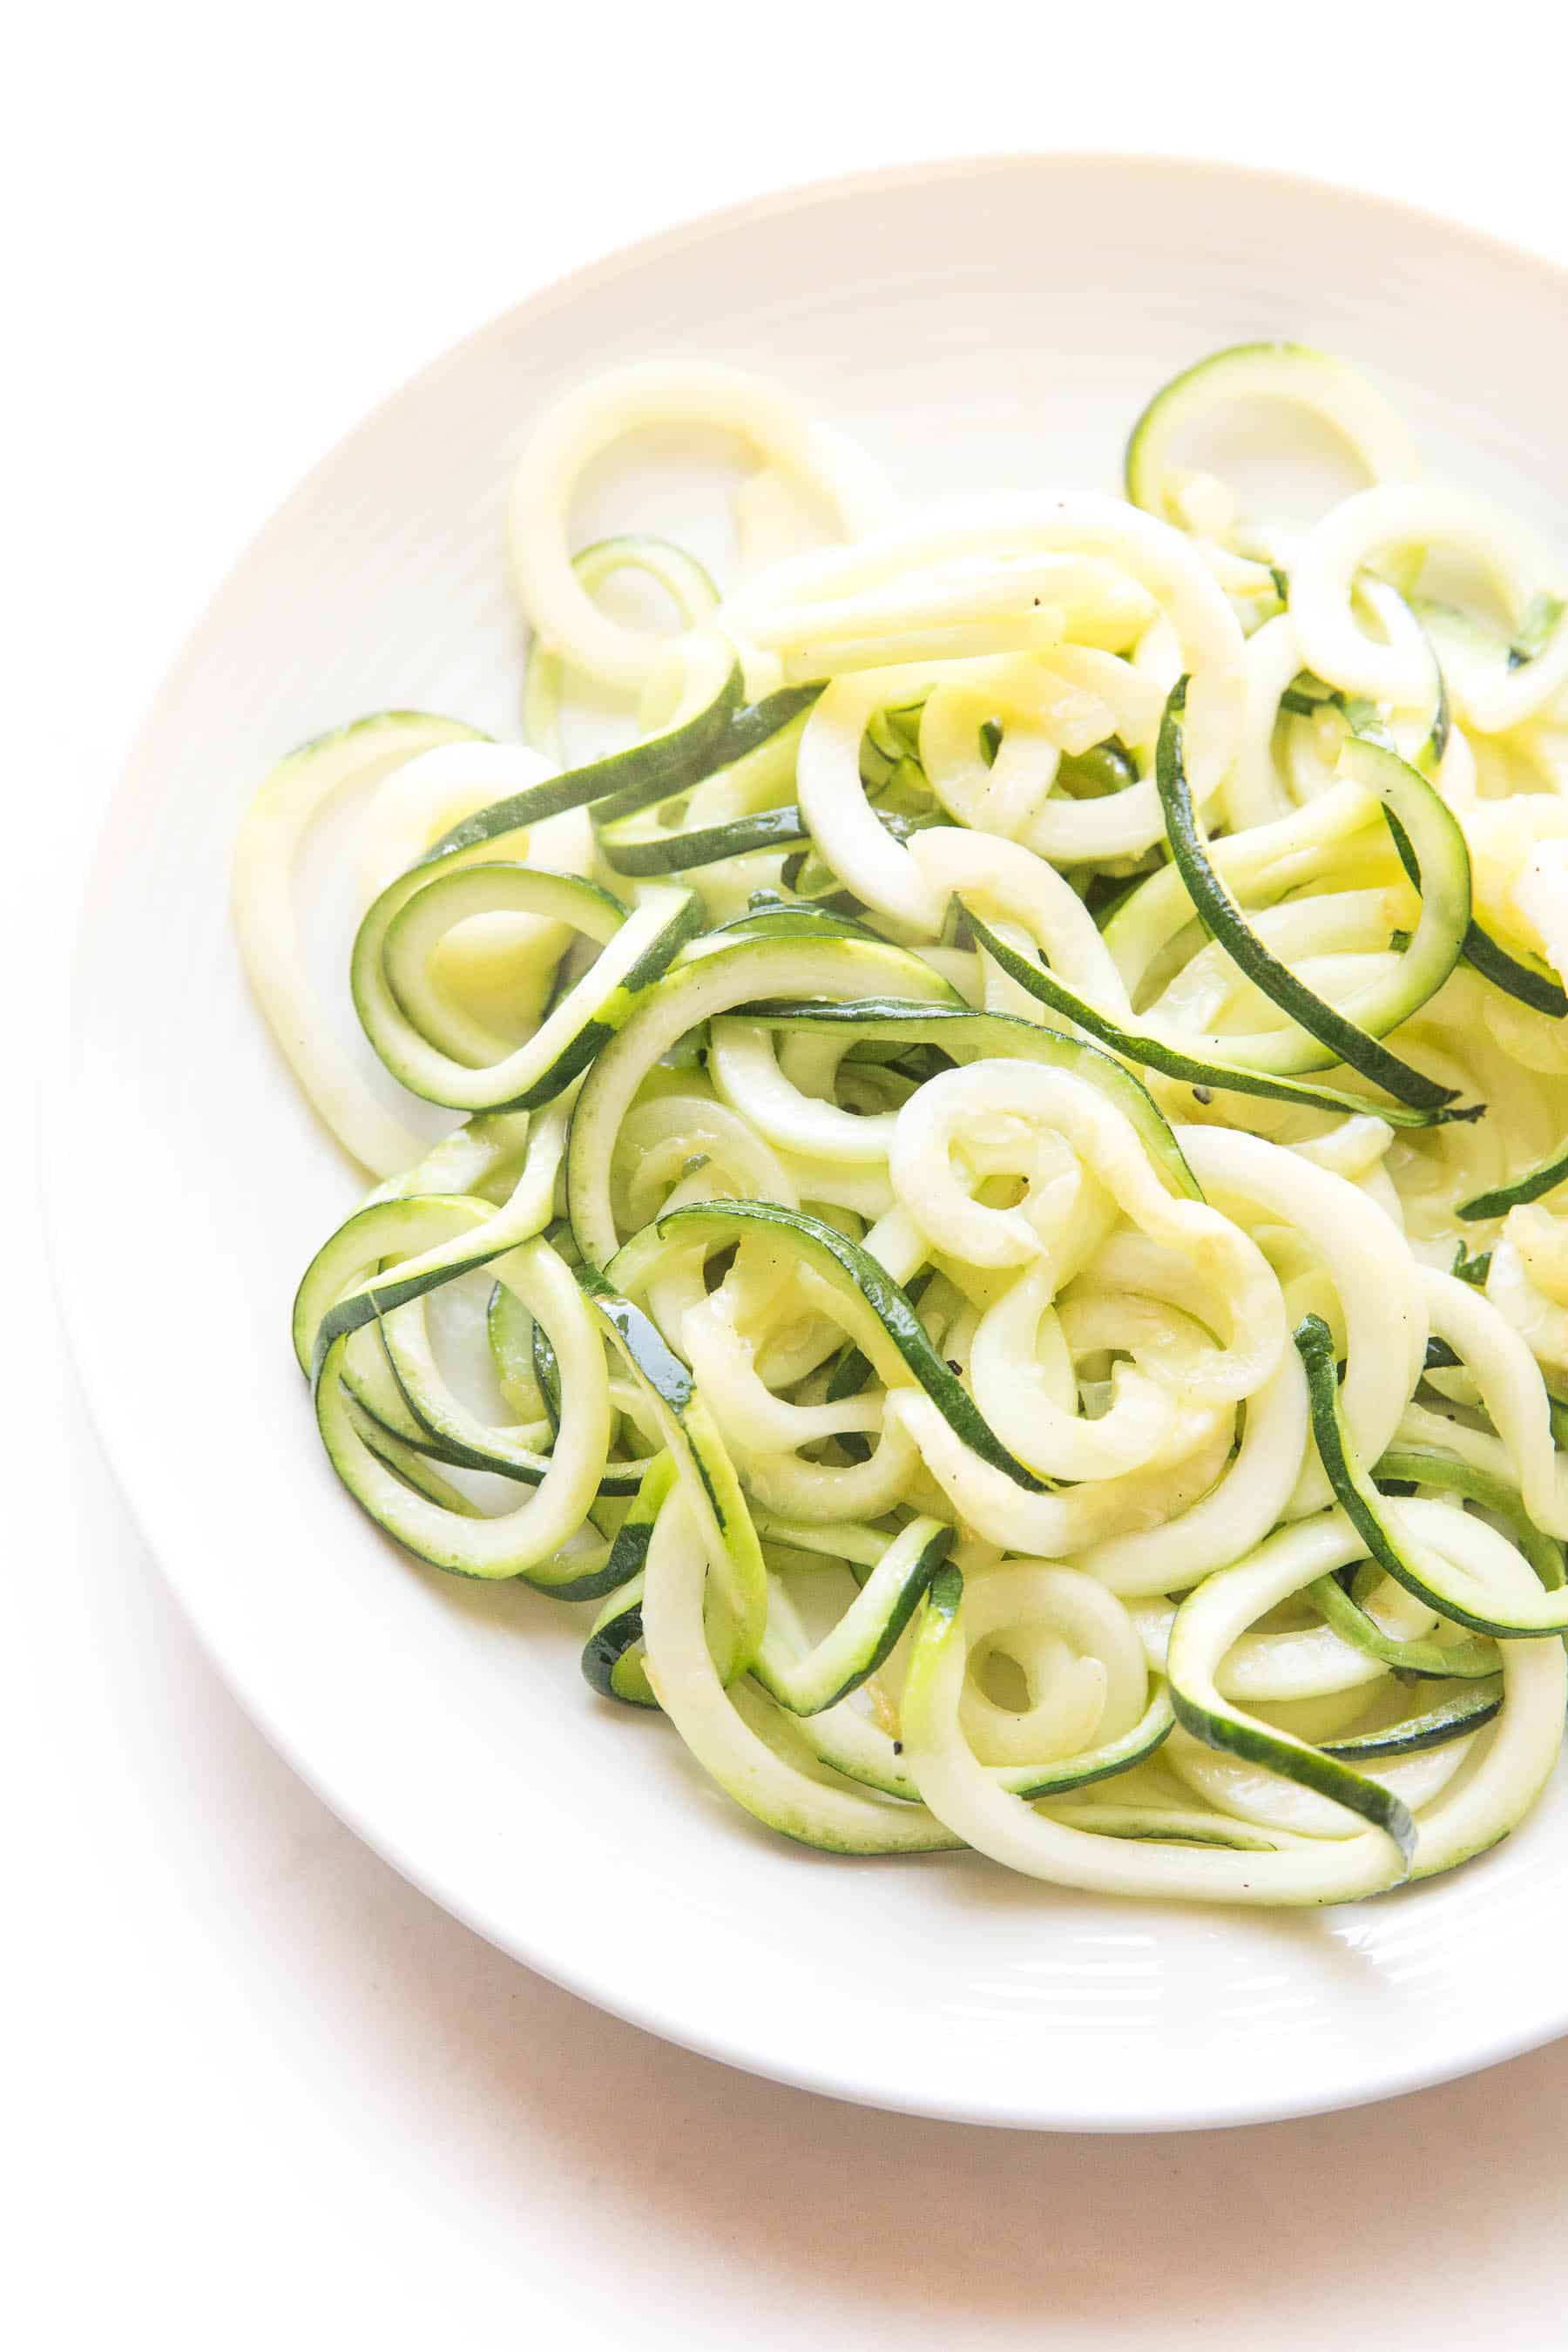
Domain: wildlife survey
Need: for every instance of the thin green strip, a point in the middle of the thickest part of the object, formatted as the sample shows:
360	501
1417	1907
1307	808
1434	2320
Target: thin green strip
1223	920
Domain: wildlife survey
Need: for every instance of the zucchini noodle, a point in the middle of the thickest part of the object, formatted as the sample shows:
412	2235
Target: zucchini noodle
1009	1228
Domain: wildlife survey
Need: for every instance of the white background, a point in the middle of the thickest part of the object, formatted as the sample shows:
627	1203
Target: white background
256	2090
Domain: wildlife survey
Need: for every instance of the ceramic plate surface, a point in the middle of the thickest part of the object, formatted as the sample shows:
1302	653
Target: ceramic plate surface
944	317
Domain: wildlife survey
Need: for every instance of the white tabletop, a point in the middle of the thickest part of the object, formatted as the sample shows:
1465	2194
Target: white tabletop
256	2089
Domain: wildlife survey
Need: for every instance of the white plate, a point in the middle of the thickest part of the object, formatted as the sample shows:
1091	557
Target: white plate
978	323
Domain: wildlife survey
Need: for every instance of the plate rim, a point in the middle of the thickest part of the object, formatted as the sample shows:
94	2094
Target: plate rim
72	1290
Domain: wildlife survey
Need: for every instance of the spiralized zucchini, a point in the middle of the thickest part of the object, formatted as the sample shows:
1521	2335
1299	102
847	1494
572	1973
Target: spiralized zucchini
1010	1239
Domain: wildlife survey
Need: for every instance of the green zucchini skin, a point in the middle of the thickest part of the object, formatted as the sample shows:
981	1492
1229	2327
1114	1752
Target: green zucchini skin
769	916
1222	918
1525	983
850	1270
1232	1734
698	1454
611	1664
1537	626
582	1023
546	1373
1529	983
410	1464
431	1431
866	1636
621	1478
382	1230
632	840
1421	1465
775	828
1206	1715
1454	1718
853	1371
1363	1506
1522	981
1147	1737
444	1444
339	1422
1434	1661
722	731
658	769
1534	1185
1279	370
1155	1052
688	586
